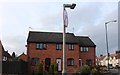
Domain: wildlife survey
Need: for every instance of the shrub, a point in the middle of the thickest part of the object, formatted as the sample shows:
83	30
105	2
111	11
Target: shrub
51	68
55	67
94	71
40	69
99	69
85	70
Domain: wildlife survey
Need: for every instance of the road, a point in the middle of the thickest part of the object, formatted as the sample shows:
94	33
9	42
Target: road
115	71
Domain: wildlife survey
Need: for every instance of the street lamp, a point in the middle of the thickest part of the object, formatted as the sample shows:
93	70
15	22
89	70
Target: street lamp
65	20
107	39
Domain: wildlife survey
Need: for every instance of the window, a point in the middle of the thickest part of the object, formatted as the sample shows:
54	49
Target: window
70	62
58	46
84	49
41	46
35	61
71	46
89	62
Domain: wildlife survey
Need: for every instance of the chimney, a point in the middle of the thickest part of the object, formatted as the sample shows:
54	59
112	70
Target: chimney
117	51
101	55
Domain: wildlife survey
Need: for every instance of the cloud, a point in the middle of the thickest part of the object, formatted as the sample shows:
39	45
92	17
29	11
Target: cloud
89	21
14	44
87	18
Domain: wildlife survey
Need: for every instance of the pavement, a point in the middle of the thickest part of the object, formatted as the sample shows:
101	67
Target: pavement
114	71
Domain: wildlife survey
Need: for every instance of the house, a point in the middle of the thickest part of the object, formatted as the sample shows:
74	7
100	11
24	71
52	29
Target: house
113	60
101	60
1	49
22	57
46	47
4	54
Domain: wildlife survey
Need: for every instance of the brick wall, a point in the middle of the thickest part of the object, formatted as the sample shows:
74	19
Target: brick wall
23	57
52	53
88	55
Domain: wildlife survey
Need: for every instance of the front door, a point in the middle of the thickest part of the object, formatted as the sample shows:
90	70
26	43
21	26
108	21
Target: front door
47	63
58	61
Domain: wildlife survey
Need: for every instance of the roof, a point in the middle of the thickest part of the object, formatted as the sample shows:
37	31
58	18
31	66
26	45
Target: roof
4	53
22	57
85	41
1	46
111	56
23	54
56	37
1	49
101	57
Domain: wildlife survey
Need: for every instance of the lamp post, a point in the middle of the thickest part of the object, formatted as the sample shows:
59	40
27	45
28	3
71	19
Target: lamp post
65	20
107	39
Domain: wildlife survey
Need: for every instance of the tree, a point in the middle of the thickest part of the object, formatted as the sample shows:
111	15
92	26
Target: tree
13	55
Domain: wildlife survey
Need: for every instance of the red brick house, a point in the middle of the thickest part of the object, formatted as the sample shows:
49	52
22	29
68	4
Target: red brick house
23	57
46	47
4	55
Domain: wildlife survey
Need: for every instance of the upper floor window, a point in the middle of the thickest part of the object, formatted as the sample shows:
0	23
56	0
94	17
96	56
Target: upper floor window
58	46
70	62
40	45
84	49
71	46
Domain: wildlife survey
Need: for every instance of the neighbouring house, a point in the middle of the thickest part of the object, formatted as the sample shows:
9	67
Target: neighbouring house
100	60
4	54
9	64
113	60
1	49
46	47
23	57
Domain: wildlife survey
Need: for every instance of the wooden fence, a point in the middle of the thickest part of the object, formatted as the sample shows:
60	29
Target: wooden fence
14	67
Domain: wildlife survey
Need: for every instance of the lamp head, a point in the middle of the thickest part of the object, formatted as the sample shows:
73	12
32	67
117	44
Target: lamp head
73	6
115	21
111	21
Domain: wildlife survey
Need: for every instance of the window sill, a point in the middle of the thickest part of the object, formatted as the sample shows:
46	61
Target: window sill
71	49
71	65
40	49
83	51
59	49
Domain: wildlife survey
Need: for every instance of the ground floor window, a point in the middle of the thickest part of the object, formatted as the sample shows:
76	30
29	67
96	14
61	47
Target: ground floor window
35	61
89	62
70	62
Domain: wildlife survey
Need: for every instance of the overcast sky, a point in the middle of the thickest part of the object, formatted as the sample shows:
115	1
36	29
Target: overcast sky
87	19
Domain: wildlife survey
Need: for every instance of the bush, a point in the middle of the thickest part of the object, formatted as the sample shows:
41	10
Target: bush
99	69
53	68
85	70
94	71
40	69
